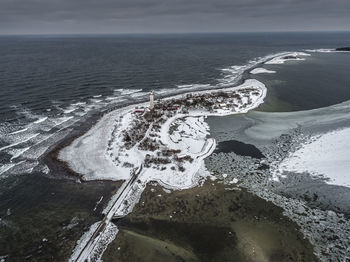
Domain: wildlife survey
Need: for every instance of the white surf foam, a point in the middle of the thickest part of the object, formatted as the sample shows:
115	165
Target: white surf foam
19	142
18	152
321	50
7	167
115	98
40	120
184	86
139	94
96	100
61	120
194	86
69	110
127	91
79	104
18	131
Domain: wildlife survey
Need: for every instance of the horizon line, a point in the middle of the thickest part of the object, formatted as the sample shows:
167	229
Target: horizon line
172	33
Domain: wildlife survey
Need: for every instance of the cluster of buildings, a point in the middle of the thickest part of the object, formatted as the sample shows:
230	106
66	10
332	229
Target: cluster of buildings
210	101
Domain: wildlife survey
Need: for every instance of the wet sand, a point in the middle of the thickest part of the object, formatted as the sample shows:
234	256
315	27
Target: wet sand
213	222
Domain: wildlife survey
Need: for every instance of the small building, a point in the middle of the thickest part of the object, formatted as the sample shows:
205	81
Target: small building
139	110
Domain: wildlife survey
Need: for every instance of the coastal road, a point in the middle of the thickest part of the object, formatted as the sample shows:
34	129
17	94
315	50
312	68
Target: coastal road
88	248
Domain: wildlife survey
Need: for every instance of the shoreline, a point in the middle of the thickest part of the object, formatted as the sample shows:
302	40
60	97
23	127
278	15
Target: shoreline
108	118
52	157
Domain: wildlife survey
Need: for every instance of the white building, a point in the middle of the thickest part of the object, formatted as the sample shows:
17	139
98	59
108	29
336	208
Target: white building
151	100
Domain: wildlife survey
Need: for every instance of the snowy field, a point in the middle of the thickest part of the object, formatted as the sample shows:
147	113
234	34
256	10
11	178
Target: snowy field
326	155
261	70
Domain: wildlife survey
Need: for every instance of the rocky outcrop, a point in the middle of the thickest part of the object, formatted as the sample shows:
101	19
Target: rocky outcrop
343	49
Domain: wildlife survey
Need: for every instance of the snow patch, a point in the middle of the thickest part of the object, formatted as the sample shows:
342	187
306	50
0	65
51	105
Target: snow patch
261	70
326	155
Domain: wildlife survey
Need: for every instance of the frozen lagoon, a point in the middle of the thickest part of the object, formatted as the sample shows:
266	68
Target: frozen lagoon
293	143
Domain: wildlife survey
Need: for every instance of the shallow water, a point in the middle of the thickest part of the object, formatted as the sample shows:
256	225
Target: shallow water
213	222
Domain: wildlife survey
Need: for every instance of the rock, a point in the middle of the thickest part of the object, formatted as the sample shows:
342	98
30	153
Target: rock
343	49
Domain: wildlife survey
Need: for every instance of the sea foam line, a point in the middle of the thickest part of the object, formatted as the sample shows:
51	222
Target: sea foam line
20	142
40	120
18	131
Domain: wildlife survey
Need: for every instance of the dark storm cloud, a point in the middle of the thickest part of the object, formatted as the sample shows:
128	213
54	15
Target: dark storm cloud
121	16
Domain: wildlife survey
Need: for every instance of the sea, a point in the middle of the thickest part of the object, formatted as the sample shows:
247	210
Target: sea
52	85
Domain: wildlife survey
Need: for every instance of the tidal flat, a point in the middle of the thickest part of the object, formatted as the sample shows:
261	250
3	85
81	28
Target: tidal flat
212	222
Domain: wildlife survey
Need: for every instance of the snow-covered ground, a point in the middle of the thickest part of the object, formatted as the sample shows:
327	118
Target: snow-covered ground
87	155
261	70
326	155
100	153
190	134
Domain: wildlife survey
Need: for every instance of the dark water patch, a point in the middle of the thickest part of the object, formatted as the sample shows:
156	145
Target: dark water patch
239	148
343	49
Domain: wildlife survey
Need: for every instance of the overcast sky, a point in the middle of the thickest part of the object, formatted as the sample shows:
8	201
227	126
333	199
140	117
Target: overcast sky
157	16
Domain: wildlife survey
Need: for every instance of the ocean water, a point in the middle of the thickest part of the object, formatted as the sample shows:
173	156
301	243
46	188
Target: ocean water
50	85
321	80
